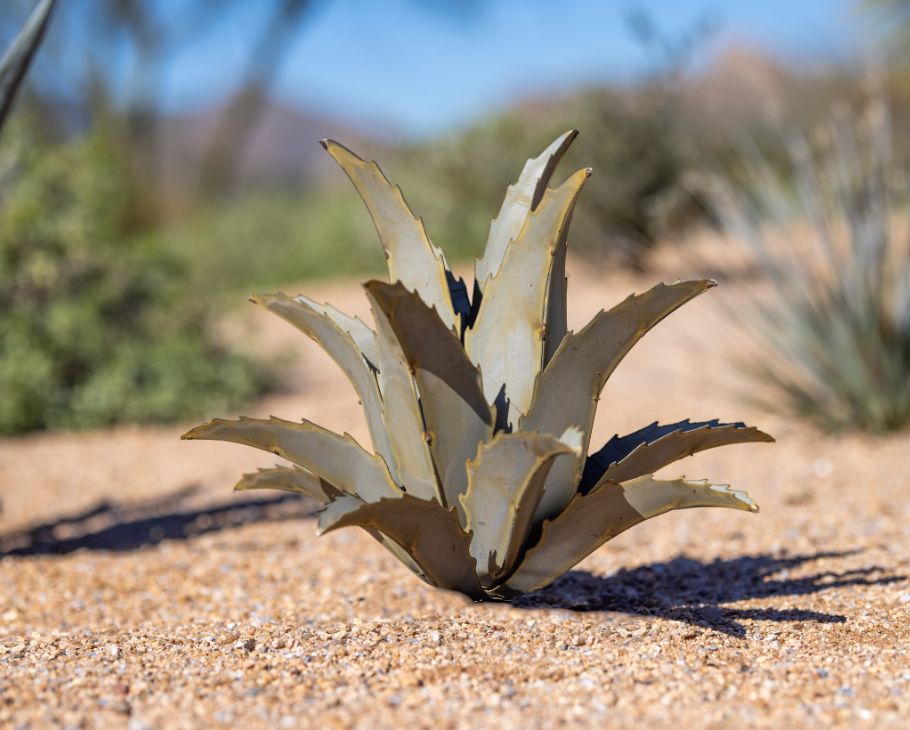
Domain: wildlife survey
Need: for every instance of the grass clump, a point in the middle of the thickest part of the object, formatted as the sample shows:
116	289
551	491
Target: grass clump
837	330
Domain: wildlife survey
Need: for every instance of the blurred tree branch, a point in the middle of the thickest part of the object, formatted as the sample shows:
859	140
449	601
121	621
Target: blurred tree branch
239	120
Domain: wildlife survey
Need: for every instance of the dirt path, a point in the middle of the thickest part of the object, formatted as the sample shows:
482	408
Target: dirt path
137	591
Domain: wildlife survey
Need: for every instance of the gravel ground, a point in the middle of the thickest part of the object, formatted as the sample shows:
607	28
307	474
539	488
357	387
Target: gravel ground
138	592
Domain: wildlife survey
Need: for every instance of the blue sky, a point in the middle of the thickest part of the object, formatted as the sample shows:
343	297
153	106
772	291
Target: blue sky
398	65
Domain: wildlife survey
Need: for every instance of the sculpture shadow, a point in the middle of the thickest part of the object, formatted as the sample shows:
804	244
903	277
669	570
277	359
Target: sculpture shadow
118	527
695	592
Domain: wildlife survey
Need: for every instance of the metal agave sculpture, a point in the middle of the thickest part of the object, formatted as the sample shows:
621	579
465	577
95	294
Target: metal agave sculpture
480	408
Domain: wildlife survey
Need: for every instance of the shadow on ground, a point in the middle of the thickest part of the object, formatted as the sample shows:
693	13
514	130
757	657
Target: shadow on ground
119	527
695	592
682	589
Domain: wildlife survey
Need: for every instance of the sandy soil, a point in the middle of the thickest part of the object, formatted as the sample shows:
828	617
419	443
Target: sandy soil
138	591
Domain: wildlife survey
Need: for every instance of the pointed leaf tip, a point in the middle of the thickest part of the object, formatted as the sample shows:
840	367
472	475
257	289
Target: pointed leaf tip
505	340
195	432
653	447
410	255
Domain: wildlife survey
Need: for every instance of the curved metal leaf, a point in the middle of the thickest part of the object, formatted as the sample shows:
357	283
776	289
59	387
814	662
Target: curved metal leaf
567	391
402	415
521	198
289	479
425	530
339	460
19	54
654	447
332	330
590	520
507	339
300	481
412	259
505	483
455	413
360	332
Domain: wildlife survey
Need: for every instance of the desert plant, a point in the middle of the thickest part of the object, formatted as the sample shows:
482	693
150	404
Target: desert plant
481	408
19	54
837	330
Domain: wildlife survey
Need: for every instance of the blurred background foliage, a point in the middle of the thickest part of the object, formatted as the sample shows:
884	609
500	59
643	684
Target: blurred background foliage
98	326
835	332
125	226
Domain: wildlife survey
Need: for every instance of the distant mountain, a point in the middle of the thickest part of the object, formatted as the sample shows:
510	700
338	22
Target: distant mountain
284	148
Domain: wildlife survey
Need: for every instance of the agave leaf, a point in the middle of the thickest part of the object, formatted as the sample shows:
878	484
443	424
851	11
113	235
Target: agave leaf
507	339
521	198
19	54
332	330
505	483
402	414
592	519
289	479
566	392
399	553
425	530
300	481
412	259
653	447
339	460
456	415
360	332
345	502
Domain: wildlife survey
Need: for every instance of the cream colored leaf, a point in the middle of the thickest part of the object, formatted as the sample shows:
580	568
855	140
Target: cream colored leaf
505	483
425	530
521	198
333	331
404	422
412	259
507	339
456	415
289	479
590	520
337	459
360	332
567	391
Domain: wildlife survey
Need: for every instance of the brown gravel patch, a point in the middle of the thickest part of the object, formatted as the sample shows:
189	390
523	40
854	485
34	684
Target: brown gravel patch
135	591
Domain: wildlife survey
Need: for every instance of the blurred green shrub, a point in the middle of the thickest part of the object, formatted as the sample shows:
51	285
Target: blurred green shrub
96	325
833	237
270	239
640	155
642	142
